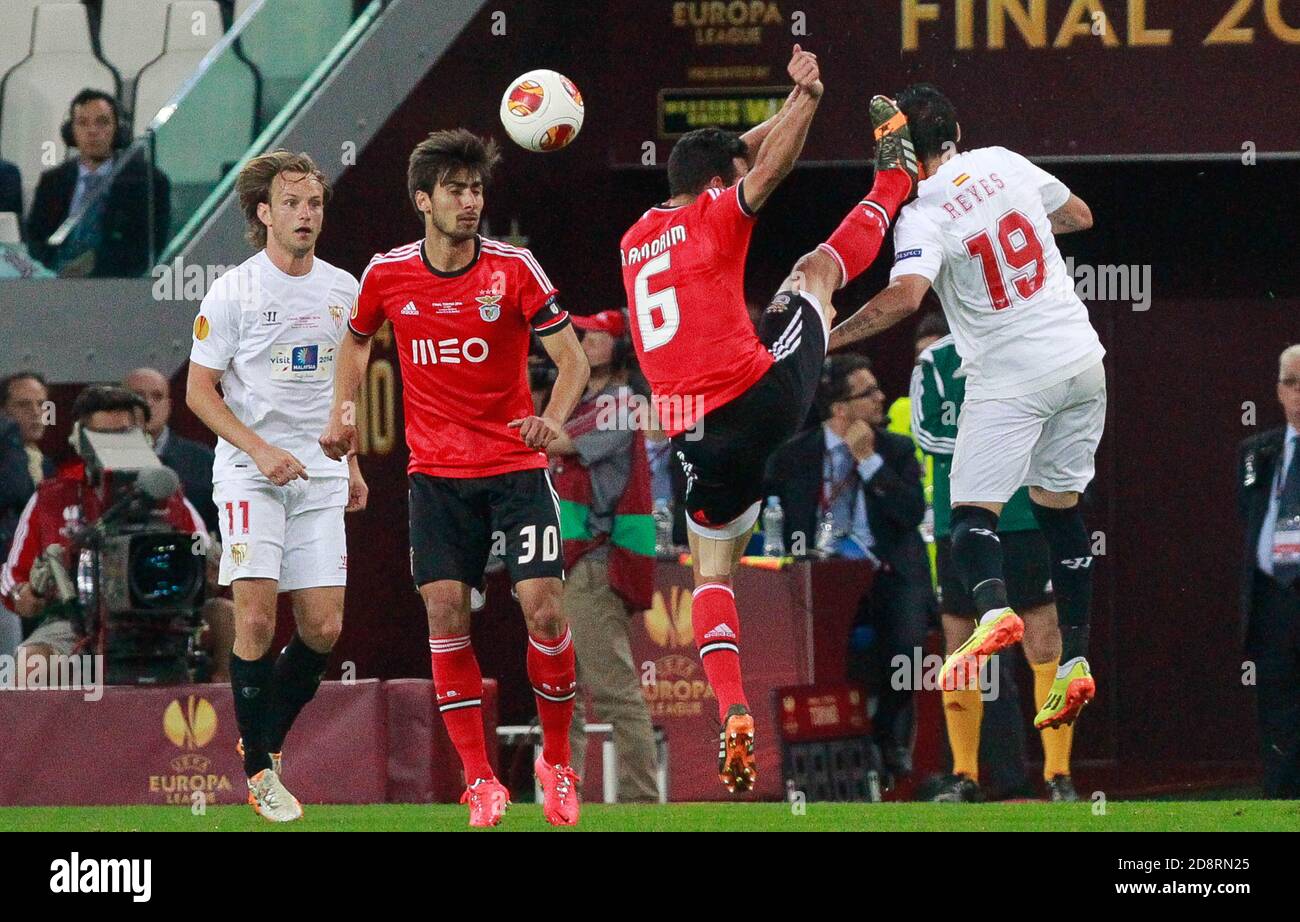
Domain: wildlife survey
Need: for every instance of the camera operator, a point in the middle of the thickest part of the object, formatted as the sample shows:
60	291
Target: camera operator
62	505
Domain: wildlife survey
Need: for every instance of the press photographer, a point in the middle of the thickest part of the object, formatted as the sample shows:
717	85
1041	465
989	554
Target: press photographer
108	556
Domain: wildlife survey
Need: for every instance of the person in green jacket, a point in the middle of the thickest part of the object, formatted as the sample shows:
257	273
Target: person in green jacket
937	392
931	327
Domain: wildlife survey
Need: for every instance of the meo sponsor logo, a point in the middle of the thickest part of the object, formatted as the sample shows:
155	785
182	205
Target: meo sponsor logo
435	351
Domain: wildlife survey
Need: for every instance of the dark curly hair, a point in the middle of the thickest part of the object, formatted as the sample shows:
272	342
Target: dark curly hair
444	152
699	156
931	118
99	398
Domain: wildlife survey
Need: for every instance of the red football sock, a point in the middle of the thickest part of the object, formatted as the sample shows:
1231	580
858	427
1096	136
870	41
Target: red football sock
553	672
717	635
857	240
459	684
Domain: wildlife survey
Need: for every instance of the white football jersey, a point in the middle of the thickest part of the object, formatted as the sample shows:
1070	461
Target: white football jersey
275	337
979	231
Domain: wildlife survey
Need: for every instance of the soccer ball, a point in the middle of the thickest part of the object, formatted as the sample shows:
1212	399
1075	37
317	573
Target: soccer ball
542	111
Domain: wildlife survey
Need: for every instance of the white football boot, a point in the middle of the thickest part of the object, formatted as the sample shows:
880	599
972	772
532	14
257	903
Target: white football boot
268	796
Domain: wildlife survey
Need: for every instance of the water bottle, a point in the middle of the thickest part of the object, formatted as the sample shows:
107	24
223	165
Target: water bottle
927	525
773	528
663	517
825	543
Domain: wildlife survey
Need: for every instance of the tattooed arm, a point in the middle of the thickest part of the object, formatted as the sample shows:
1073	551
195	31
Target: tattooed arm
1074	215
901	298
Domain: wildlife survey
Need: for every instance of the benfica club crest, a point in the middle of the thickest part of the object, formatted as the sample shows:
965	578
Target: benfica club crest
488	308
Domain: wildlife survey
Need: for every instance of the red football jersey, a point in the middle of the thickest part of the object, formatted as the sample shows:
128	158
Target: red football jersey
463	340
684	274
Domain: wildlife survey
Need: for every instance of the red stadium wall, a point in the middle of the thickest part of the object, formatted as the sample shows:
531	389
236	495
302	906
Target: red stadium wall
169	743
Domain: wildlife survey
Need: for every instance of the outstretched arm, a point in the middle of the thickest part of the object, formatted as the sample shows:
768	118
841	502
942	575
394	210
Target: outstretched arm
899	299
755	136
781	138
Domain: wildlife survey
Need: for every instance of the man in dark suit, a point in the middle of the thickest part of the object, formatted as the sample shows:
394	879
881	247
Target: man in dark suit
111	239
191	460
11	188
1268	495
851	488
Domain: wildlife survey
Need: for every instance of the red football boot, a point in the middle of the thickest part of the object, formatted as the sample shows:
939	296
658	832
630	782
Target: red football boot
488	800
559	793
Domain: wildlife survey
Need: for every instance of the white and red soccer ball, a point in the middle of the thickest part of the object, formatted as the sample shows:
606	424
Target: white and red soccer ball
542	110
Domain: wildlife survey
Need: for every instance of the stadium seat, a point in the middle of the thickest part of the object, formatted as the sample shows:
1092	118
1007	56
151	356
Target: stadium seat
283	51
213	125
37	92
178	59
131	34
9	227
16	36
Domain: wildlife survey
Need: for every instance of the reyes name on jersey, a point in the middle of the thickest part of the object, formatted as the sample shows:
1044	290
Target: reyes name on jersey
275	338
462	338
979	231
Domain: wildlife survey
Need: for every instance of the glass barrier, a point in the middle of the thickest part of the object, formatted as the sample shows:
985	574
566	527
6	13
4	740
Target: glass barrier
158	190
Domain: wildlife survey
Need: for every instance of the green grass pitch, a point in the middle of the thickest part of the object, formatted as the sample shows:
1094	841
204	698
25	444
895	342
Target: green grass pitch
1119	816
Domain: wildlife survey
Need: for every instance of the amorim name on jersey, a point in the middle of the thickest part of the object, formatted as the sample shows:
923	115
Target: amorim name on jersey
652	248
662	412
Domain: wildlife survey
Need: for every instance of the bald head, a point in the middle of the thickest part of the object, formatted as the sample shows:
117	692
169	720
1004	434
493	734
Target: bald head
154	387
1288	384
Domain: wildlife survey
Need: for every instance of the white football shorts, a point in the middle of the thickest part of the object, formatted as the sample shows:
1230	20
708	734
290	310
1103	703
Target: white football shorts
1046	439
293	534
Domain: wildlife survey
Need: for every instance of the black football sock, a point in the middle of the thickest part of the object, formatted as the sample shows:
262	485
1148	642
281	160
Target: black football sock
977	555
251	683
298	673
1074	641
1067	537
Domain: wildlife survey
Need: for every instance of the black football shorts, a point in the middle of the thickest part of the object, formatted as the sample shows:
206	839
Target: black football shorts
456	523
724	460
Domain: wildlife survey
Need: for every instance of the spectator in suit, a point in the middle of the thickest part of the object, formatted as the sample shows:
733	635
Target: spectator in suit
111	238
1269	502
865	484
191	460
11	188
25	400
